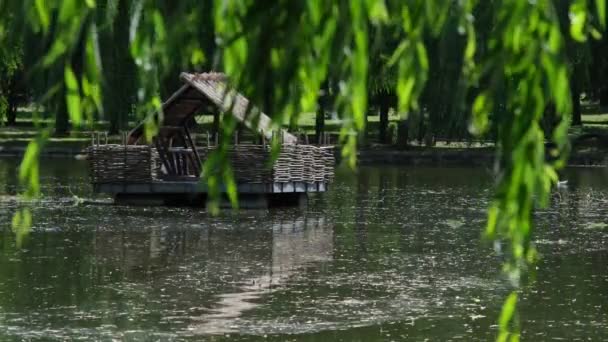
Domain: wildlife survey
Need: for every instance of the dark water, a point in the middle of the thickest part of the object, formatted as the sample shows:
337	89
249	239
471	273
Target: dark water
388	254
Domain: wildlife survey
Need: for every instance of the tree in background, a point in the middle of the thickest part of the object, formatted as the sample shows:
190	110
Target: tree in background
119	69
598	71
12	90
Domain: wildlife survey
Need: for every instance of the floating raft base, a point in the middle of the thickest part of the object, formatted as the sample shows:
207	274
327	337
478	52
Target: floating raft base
251	195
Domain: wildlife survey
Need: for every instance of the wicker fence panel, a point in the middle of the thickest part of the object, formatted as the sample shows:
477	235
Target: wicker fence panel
295	163
327	162
123	163
140	163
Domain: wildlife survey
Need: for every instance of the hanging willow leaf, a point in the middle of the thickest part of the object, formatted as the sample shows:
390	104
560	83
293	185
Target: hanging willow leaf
72	95
505	319
600	6
43	14
578	20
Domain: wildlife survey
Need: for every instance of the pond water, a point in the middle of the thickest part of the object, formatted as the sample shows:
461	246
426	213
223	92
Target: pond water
388	254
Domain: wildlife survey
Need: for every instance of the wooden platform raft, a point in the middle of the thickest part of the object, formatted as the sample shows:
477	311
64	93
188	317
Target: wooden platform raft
172	162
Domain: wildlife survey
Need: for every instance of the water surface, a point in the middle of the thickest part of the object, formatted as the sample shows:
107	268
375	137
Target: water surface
387	254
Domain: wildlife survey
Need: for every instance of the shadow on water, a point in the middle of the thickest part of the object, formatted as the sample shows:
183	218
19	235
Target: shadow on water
387	254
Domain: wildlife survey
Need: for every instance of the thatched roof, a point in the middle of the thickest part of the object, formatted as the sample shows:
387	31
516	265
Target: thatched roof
202	92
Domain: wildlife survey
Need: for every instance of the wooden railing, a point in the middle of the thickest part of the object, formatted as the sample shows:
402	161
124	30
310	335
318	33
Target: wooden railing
177	153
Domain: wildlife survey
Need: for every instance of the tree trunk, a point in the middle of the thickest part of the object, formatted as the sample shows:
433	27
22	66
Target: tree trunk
603	97
120	87
11	101
363	140
576	104
11	113
403	133
62	124
215	126
384	107
319	124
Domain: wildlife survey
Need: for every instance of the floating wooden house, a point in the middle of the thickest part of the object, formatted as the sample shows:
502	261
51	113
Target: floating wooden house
168	170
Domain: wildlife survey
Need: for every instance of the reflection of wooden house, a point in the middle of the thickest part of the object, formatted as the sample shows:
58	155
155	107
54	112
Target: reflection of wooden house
222	272
171	164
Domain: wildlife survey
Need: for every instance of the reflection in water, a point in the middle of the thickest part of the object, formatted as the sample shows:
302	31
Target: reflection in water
387	254
200	277
294	246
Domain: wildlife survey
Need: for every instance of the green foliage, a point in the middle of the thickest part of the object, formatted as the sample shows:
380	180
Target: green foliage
29	177
509	65
507	317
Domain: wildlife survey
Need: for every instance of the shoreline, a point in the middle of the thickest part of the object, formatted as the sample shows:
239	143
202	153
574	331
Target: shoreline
461	157
369	156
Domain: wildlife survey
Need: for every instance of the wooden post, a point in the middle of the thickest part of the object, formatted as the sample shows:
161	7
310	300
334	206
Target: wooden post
384	109
197	158
162	152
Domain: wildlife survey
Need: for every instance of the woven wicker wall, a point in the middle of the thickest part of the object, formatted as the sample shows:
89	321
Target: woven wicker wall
123	163
140	163
296	163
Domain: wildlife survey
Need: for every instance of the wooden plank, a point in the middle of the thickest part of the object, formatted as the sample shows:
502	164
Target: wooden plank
137	132
237	104
192	100
277	188
163	155
180	150
300	187
289	187
197	158
189	184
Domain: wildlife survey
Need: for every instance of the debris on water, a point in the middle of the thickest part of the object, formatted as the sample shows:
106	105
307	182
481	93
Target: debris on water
596	225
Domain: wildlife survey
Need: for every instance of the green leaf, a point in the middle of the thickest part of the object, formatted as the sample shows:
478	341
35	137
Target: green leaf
197	57
423	59
93	67
58	49
21	225
471	46
578	20
68	11
72	96
492	221
600	6
159	26
405	88
43	14
231	189
395	57
506	316
28	168
481	110
377	11
314	10
562	90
